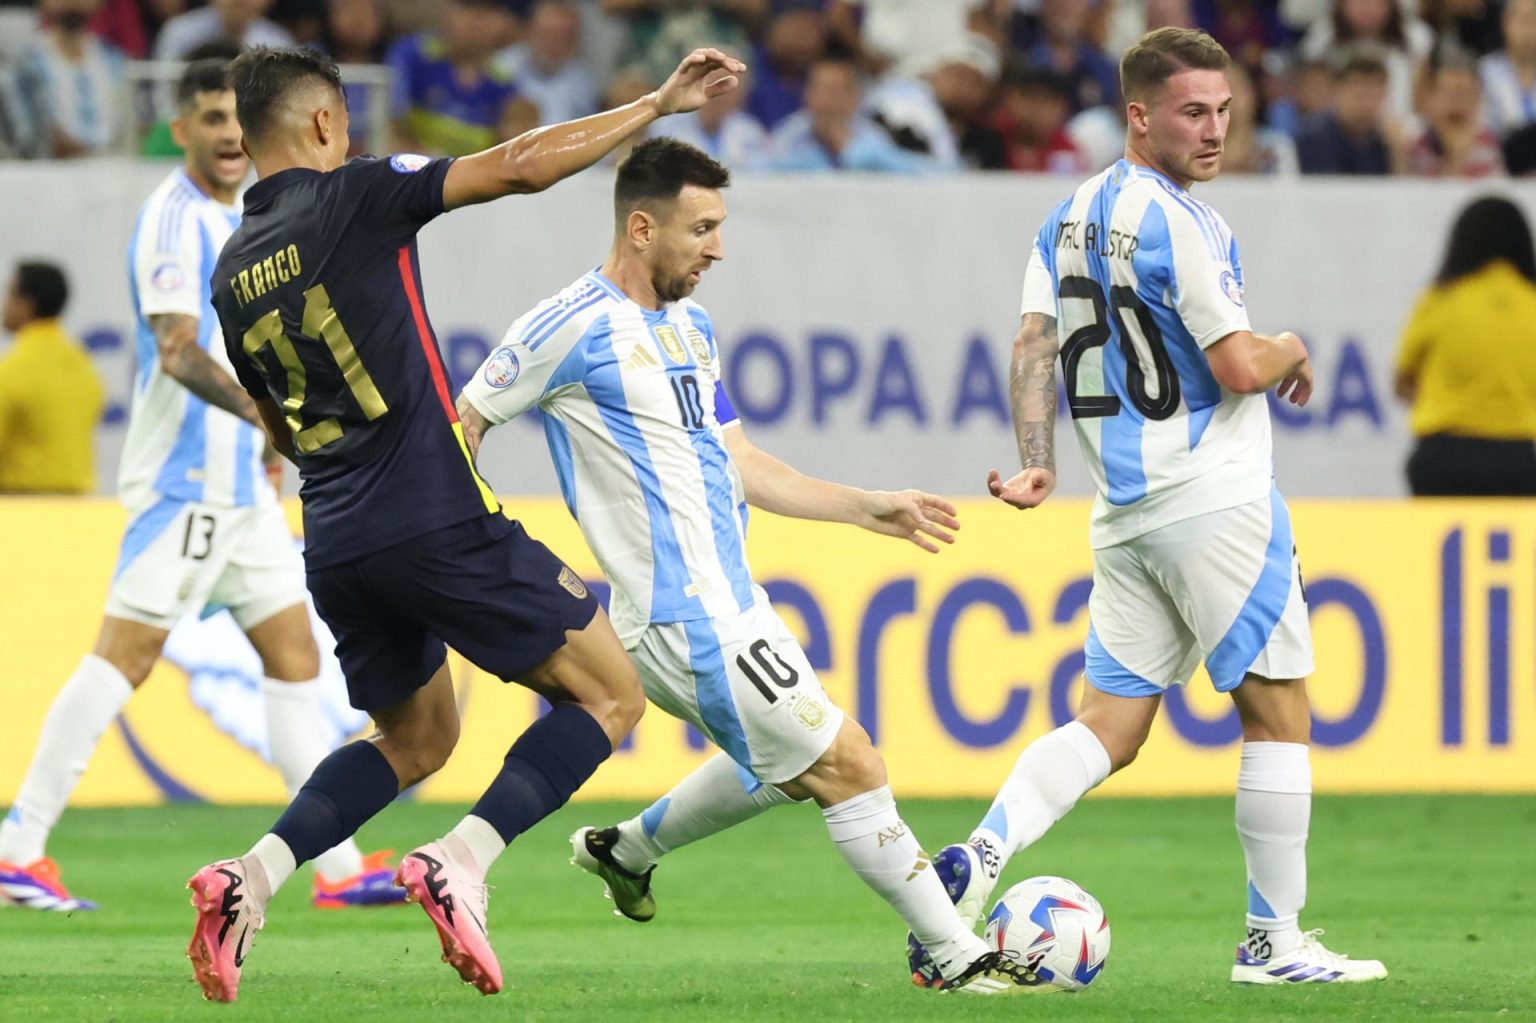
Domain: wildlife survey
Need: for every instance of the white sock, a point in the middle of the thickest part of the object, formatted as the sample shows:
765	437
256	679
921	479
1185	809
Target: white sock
1274	809
1051	775
297	741
267	866
716	796
882	850
474	844
82	710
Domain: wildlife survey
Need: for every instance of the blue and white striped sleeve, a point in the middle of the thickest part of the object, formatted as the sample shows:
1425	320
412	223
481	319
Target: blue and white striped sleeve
534	359
1207	280
168	258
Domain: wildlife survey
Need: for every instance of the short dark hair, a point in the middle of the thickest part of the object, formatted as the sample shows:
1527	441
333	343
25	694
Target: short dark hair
1024	79
657	169
44	285
1364	62
1163	53
263	77
205	75
1451	58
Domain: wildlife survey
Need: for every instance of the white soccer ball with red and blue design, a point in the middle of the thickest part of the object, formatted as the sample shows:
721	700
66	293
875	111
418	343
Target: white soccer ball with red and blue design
1051	929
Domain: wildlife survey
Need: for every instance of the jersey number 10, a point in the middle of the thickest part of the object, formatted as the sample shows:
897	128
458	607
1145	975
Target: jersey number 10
1141	348
320	321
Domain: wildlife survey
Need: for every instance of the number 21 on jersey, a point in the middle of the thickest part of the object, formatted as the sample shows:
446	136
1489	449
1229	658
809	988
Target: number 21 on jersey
320	321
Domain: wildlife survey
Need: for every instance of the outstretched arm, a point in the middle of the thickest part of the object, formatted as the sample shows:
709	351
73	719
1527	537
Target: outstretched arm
537	159
1032	397
779	488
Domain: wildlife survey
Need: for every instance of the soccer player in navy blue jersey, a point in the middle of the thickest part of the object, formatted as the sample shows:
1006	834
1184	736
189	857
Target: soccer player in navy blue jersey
406	549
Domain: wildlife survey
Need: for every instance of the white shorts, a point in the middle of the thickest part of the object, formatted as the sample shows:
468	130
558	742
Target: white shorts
744	682
181	557
1225	587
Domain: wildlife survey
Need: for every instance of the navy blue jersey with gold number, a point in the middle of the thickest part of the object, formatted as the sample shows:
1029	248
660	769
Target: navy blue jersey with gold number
319	296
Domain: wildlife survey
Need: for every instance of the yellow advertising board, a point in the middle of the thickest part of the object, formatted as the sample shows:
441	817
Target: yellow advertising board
1422	616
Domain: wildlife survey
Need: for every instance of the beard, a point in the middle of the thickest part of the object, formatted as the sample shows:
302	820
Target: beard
671	289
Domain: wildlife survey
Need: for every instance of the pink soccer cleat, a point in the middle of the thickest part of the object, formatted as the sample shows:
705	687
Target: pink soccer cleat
227	916
456	905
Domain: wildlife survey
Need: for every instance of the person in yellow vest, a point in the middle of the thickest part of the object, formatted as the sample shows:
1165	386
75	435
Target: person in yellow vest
1467	362
50	396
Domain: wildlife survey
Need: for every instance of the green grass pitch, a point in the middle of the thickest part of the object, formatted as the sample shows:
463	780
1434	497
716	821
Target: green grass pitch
765	922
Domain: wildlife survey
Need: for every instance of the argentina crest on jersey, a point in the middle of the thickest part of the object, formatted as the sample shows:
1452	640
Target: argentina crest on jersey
699	346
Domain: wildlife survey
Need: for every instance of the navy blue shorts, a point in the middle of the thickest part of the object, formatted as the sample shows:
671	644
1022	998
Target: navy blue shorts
484	587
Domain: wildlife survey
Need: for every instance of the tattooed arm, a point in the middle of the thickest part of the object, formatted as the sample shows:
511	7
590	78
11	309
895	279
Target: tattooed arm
184	361
1032	397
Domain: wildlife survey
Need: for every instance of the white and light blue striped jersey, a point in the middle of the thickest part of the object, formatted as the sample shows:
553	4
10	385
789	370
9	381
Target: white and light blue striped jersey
635	417
1507	103
178	446
1142	278
80	97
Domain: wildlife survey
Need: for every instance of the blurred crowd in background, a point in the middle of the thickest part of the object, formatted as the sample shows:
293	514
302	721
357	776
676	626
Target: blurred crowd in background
1414	87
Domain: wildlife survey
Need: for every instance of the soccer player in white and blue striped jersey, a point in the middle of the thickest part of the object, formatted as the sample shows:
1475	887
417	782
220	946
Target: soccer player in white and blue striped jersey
1193	555
655	467
205	526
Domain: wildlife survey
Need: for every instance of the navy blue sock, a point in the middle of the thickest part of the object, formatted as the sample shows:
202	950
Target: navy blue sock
545	765
347	788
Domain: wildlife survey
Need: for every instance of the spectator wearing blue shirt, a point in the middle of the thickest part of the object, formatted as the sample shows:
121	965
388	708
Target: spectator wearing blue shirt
1060	46
722	129
69	80
1352	138
450	95
796	39
546	65
832	134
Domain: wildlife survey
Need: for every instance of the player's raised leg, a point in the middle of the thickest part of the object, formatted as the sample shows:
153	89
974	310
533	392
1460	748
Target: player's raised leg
90	700
596	700
1137	645
1050	776
298	739
1274	808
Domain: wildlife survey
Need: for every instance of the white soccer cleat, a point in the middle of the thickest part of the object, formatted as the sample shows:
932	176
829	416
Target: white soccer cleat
1307	963
999	973
968	879
968	874
592	851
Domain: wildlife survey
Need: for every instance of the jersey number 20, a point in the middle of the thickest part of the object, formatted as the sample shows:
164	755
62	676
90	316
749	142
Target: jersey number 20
1141	348
320	321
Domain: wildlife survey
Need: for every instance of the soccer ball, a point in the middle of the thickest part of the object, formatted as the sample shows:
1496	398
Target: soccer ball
1054	931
